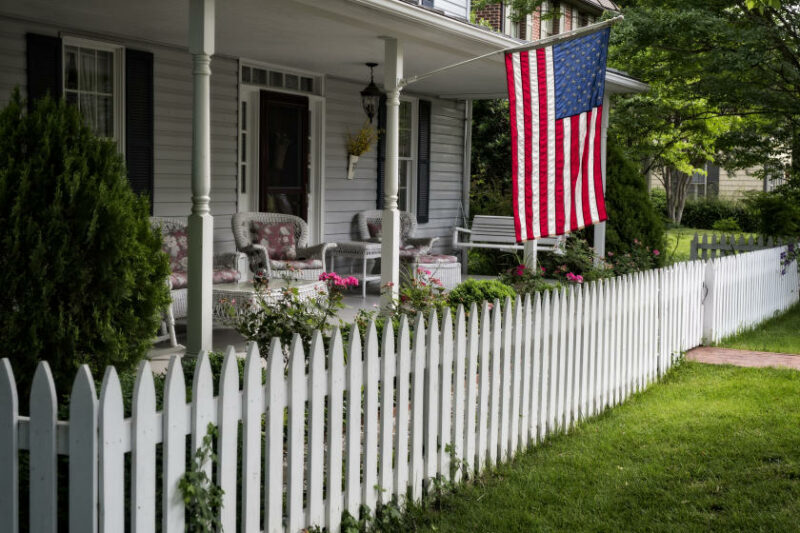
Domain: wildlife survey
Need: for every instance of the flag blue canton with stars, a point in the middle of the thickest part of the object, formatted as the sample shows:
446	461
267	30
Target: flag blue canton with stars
579	72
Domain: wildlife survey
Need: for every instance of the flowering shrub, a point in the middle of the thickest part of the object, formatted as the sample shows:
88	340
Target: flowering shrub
574	278
286	313
640	258
577	260
525	280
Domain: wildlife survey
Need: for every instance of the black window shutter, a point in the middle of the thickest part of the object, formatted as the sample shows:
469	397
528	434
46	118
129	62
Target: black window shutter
44	55
424	161
381	150
139	121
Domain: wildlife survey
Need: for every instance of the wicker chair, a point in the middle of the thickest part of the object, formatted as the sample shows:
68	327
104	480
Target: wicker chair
305	262
370	225
173	232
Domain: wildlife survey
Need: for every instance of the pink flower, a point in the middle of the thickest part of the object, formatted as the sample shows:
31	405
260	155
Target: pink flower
543	269
610	254
520	270
656	253
575	278
635	241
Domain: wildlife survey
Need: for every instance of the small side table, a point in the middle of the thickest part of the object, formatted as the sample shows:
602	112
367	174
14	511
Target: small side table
363	251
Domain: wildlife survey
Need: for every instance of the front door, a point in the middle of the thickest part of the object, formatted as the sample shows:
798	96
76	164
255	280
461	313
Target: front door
283	154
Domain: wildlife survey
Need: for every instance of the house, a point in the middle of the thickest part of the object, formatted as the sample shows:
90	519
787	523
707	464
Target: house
720	183
200	96
559	17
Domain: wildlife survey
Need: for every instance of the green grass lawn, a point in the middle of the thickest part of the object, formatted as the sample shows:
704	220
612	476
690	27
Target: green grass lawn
779	334
712	448
679	242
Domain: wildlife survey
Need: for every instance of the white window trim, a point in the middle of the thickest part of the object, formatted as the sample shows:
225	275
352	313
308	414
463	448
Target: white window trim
119	79
411	192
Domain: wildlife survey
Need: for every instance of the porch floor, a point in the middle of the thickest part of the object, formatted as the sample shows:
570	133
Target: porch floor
223	336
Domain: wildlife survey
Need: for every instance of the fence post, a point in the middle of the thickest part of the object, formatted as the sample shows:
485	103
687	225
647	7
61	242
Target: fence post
708	310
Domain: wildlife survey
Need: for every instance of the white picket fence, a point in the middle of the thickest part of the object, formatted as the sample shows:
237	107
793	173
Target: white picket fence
346	428
744	289
722	245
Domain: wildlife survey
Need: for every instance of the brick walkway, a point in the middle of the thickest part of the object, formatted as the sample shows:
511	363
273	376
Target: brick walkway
729	356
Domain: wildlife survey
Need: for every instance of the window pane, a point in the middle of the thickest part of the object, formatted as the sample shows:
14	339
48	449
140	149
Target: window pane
259	76
243	177
87	70
307	85
403	173
89	110
244	116
72	98
105	116
246	74
276	79
71	67
244	147
105	72
292	82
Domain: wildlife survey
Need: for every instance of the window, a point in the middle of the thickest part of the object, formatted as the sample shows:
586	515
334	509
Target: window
407	155
93	82
281	79
553	23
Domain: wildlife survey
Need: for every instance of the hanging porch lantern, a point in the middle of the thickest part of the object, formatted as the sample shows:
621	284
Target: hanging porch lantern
371	95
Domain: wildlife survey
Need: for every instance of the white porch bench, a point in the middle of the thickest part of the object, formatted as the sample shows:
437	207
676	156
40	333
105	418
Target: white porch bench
498	233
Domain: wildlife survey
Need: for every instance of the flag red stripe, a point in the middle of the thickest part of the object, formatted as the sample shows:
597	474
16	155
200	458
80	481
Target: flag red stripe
587	211
512	105
541	70
575	165
559	176
598	167
524	63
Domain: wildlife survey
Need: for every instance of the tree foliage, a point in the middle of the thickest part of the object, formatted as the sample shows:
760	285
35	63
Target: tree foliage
82	275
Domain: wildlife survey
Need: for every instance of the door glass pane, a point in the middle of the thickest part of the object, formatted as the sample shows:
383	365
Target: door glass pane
405	129
71	67
87	70
105	72
403	169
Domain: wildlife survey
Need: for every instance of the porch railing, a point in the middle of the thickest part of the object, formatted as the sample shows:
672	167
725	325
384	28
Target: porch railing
383	418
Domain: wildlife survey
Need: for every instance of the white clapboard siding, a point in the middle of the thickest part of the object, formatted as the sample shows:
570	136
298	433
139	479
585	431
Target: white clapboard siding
339	430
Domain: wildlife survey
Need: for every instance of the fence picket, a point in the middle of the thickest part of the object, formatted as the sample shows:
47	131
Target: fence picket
445	395
174	447
526	364
202	403
417	409
369	486
112	457
569	400
536	370
516	376
506	354
252	402
460	354
494	394
355	380
273	447
336	379
144	423
431	394
544	357
9	444
483	402
387	370
403	409
316	436
472	462
296	441
228	408
83	408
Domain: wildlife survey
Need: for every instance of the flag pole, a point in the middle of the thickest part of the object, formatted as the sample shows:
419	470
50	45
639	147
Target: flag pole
548	41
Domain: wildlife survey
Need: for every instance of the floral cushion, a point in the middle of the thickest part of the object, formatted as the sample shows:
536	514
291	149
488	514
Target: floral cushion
178	280
225	275
410	252
277	238
175	243
431	259
375	230
300	264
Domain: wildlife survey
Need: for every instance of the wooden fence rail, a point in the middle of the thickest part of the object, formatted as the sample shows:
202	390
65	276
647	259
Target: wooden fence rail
379	418
722	245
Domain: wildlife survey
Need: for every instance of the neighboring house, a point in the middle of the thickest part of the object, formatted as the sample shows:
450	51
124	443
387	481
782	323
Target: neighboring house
563	16
719	183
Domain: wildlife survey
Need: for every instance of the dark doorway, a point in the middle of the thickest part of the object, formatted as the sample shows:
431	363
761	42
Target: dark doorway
283	157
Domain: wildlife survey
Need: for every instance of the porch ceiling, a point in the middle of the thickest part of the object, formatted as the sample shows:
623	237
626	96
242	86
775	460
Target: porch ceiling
332	37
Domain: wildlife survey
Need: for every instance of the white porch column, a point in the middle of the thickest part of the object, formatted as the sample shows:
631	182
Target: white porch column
600	229
201	223
390	247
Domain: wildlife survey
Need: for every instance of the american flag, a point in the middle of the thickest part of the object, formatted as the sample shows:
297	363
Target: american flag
556	104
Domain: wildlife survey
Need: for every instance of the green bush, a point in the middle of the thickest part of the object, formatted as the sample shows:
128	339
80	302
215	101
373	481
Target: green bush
703	213
478	291
658	197
777	213
631	215
726	224
81	271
